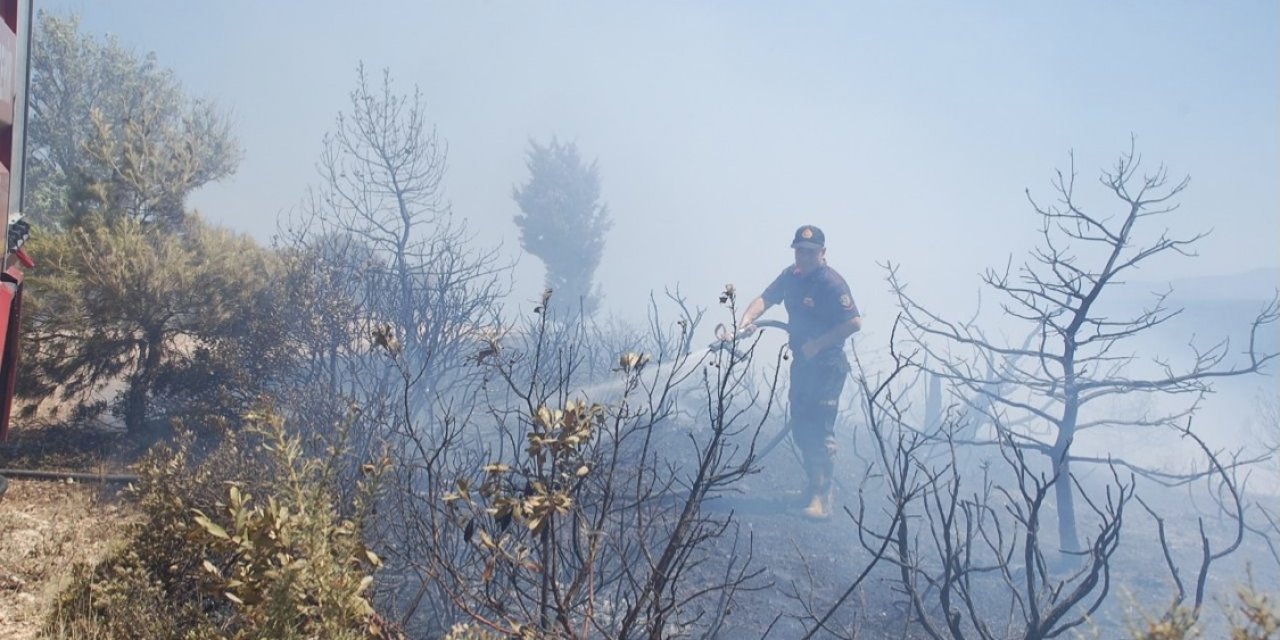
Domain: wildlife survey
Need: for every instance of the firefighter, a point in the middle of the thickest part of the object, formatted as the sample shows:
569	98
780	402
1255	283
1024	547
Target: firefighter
821	315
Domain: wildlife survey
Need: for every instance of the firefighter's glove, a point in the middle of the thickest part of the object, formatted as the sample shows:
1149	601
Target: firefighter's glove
19	232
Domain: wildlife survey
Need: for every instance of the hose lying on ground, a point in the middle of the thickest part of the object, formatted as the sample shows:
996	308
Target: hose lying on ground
78	476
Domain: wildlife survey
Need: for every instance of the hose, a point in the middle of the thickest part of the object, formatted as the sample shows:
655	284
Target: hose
79	476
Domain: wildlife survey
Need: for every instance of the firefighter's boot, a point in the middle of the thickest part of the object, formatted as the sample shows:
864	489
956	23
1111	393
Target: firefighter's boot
819	507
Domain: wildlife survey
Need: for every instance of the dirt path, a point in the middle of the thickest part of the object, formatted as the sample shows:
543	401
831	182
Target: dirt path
46	530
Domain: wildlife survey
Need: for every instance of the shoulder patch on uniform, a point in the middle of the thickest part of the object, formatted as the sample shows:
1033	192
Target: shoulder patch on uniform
846	301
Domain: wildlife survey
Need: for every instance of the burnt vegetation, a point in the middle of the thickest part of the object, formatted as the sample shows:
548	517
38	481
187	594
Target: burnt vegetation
360	441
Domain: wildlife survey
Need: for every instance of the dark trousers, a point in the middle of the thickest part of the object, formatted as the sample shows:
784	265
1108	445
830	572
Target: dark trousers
816	384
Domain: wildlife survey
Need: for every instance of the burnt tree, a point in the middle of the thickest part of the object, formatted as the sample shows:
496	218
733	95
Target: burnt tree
1043	395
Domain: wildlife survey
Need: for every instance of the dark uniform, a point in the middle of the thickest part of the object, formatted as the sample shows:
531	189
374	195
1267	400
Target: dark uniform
817	302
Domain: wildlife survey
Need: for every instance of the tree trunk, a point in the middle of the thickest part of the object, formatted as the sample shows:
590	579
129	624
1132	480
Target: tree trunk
1068	539
135	405
933	403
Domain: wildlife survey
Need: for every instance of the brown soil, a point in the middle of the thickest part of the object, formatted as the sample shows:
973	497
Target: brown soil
49	527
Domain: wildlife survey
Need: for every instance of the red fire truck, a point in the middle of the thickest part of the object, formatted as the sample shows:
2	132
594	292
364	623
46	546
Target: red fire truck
15	38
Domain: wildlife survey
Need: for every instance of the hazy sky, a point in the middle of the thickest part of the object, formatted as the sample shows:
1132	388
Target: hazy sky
908	131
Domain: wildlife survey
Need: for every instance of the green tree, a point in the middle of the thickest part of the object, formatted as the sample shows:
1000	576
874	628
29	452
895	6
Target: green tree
113	132
119	300
133	290
563	222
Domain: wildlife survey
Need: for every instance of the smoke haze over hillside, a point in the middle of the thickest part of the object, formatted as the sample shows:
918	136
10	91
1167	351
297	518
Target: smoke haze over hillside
908	134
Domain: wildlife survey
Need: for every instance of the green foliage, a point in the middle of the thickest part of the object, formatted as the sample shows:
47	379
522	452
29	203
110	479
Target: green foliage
153	587
292	565
114	133
211	560
121	600
563	222
473	632
135	297
116	299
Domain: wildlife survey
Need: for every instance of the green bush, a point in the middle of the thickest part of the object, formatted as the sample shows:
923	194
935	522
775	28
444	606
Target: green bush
213	560
291	564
